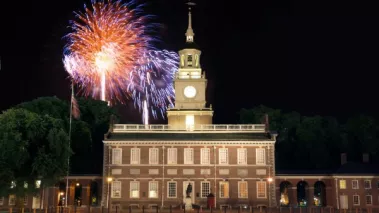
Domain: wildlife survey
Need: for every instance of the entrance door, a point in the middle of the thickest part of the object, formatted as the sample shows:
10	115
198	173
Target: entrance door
36	203
344	204
185	185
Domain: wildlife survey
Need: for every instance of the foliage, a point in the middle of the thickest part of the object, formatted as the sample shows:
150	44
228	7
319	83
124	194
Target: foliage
315	142
32	147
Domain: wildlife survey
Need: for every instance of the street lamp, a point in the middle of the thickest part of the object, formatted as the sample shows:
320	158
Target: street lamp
269	180
109	180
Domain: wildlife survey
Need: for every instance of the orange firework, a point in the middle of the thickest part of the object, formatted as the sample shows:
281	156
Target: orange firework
104	47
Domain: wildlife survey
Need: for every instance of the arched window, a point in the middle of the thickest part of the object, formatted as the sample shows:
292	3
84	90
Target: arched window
182	60
196	60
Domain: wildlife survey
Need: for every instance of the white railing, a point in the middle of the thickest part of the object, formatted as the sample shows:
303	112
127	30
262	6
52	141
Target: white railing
199	128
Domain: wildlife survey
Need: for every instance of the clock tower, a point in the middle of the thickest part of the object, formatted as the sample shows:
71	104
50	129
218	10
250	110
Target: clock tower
190	84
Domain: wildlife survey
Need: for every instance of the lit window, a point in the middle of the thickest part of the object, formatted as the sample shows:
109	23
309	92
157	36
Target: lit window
261	189
205	156
355	184
12	200
1	201
25	185
367	184
260	156
38	184
25	200
342	184
190	122
356	200
197	60
134	189
116	156
224	189
223	157
171	189
242	156
188	155
182	60
171	156
153	189
369	199
153	156
134	156
116	189
205	189
242	189
13	184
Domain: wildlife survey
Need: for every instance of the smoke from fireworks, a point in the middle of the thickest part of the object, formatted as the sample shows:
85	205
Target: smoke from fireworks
110	54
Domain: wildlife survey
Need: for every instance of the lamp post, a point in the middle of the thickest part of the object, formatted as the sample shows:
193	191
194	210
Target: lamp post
269	180
109	180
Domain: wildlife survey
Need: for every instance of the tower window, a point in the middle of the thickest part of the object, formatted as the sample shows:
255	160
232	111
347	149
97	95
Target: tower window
182	60
189	58
190	122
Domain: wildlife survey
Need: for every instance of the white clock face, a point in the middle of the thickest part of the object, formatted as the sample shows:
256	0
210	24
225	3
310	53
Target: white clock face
190	91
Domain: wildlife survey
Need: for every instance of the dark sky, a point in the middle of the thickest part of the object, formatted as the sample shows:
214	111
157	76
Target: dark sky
315	57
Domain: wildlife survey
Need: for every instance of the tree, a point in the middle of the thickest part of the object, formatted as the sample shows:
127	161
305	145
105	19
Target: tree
32	147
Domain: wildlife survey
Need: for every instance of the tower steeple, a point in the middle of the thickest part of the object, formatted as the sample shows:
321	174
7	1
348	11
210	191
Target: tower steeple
190	34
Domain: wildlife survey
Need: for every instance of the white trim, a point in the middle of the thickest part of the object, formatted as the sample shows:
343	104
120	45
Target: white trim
208	151
370	198
135	152
352	184
249	143
130	189
364	184
150	156
342	181
188	152
239	190
112	191
174	155
242	151
157	185
219	186
359	200
257	153
176	188
198	165
114	160
220	156
265	189
201	188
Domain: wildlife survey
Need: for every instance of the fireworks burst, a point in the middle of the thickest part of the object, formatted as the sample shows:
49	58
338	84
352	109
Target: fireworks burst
111	56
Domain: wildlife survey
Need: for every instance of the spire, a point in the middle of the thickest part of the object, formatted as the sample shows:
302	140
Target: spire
190	34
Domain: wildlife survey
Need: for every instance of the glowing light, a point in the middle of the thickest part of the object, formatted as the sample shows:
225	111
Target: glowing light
110	54
269	179
109	179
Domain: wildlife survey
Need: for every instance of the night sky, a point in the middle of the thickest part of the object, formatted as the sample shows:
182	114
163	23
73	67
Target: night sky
315	58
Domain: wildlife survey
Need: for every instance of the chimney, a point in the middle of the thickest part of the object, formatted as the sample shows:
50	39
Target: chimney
343	158
366	158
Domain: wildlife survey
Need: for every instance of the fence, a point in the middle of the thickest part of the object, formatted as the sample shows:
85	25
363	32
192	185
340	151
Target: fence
154	209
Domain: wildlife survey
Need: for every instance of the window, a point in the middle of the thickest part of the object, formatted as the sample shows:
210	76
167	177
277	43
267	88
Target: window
12	200
223	156
153	156
25	200
205	156
153	189
241	156
368	199
26	184
182	60
205	189
13	184
188	155
261	189
171	189
190	122
355	184
197	60
260	156
38	184
116	189
134	156
242	189
342	184
116	156
1	201
171	156
367	184
190	58
356	200
134	189
224	189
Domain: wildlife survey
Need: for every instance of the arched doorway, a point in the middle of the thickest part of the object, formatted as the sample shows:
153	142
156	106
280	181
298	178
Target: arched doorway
319	194
302	193
78	194
94	195
285	187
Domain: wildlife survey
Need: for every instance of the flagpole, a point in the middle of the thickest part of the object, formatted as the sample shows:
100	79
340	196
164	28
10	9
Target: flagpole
69	141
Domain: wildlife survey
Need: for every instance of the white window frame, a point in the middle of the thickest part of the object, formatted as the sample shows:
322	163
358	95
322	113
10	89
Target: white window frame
265	189
168	189
220	184
356	204
369	184
153	156
259	160
370	196
242	156
239	189
151	184
114	186
202	190
12	200
356	186
223	153
132	184
205	156
342	186
116	159
188	156
172	153
135	156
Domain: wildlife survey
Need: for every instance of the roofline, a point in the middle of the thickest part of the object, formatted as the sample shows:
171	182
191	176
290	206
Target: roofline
188	142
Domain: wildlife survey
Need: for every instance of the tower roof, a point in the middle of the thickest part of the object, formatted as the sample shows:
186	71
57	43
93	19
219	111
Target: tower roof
189	33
